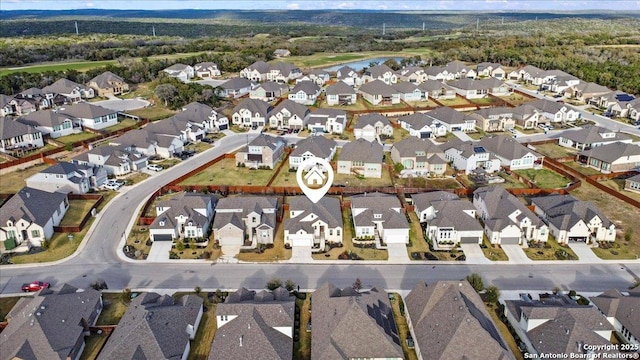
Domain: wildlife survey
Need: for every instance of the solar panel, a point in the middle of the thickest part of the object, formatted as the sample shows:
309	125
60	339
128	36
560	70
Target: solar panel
624	97
478	149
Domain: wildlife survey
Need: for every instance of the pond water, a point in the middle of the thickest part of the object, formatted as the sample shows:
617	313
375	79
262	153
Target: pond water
361	64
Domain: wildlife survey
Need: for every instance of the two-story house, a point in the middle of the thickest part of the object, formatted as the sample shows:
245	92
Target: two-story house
305	93
327	120
418	157
116	160
494	119
72	91
287	115
206	70
66	177
380	72
185	216
438	90
412	74
469	156
16	136
621	311
372	126
245	220
108	83
251	113
269	91
312	146
349	76
488	69
283	72
263	151
257	71
313	225
422	126
181	72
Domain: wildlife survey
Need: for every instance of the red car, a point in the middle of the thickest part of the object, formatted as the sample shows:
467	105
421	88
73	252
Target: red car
35	286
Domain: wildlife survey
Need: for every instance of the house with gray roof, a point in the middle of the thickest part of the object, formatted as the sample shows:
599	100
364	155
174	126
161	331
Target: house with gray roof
422	126
50	122
340	93
559	83
453	120
305	93
438	90
89	115
185	217
235	88
254	326
507	221
488	69
50	325
372	126
591	136
7	105
528	117
245	220
633	112
66	177
288	114
470	156
283	72
494	119
614	157
349	325
460	70
318	76
419	157
181	72
16	136
527	73
632	183
349	76
108	83
422	203
327	120
408	91
585	91
379	216
448	320
454	222
312	146
361	157
439	73
556	324
511	153
380	72
206	70
263	151
376	92
555	112
116	160
269	91
28	217
478	89
250	113
412	74
256	72
622	312
72	91
163	138
31	100
570	219
155	327
313	225
208	119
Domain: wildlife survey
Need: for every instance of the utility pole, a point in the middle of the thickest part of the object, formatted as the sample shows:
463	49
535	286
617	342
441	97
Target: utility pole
77	32
383	28
154	31
503	20
423	26
477	24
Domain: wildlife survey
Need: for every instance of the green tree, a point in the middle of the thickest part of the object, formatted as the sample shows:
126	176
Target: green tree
166	93
492	294
274	283
289	285
179	245
476	282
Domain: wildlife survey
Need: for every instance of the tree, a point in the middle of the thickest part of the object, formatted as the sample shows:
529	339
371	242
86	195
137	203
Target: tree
492	294
628	233
476	282
197	290
274	283
357	285
179	245
166	93
289	285
393	64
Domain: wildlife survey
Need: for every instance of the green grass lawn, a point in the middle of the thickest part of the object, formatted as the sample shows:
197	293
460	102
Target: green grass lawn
544	178
483	101
554	151
398	134
302	347
493	253
620	249
78	209
285	178
455	101
550	251
153	113
352	180
278	252
6	304
417	243
585	170
226	172
403	327
126	122
70	139
12	182
113	312
198	147
58	66
59	248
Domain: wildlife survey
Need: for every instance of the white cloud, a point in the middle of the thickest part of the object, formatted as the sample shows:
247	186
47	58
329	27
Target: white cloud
293	6
345	5
89	4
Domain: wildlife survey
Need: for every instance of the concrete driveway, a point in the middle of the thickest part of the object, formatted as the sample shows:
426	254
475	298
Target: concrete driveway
462	136
474	254
301	255
159	251
398	253
584	252
123	104
516	254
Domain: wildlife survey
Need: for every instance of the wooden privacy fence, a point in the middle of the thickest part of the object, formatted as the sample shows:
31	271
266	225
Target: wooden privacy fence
77	228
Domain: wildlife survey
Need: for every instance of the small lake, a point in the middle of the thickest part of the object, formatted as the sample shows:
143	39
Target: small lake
361	64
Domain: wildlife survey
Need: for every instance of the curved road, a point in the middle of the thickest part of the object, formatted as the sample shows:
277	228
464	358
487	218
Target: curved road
96	258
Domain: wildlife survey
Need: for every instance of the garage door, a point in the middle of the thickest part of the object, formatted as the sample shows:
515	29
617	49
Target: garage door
223	127
510	241
425	135
469	240
162	237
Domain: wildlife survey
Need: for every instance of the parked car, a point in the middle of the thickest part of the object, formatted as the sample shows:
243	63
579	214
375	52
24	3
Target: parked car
112	184
155	167
207	140
35	286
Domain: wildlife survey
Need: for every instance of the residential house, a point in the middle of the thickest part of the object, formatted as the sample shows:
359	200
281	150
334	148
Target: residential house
305	93
556	324
164	139
408	91
203	116
206	70
327	120
439	73
254	325
116	160
488	69
349	76
454	222
28	217
570	219
348	324
288	115
257	71
436	90
49	122
633	111
312	146
585	91
318	76
528	117
422	126
412	74
72	91
554	111
614	157
372	126
181	72
418	157
263	151
34	99
89	115
66	177
494	119
251	113
448	320
245	220
155	327
591	136
377	92
528	74
622	313
16	136
269	91
380	72
235	88
614	103
185	217
313	224
560	84
361	157
340	93
283	72
511	153
478	89
470	156
507	221
460	70
7	105
108	83
379	216
281	53
423	203
453	120
50	325
632	183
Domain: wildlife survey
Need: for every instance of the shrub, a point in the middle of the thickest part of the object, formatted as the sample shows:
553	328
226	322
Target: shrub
289	285
126	295
492	294
274	283
357	285
179	245
476	282
197	290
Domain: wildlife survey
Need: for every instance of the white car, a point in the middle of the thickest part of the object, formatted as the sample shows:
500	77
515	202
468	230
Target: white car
111	186
155	167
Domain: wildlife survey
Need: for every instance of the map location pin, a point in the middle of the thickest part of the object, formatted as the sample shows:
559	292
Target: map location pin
315	177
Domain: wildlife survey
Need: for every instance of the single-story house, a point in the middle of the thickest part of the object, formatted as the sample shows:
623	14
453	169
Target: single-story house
235	88
305	93
269	91
206	70
436	90
614	157
632	183
349	76
423	203
454	222
377	92
361	157
621	311
422	126
591	136
66	177
372	126
16	136
469	156
380	72
477	89
340	93
70	90
50	122
453	120
487	69
511	153
313	224
379	216
418	157
408	91
89	115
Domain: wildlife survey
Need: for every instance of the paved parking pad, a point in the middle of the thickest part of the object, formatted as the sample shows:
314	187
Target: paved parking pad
397	253
516	254
474	255
584	252
159	251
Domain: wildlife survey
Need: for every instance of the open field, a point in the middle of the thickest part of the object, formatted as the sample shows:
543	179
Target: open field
544	178
76	212
226	172
14	181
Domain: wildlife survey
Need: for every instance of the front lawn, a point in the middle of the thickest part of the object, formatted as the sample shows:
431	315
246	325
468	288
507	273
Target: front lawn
550	250
398	134
276	253
59	247
77	210
493	253
13	181
225	172
544	178
198	147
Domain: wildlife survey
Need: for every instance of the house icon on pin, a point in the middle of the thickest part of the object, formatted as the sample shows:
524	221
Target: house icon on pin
315	176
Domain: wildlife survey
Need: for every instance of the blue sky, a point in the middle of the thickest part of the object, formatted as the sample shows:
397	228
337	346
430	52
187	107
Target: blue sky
482	5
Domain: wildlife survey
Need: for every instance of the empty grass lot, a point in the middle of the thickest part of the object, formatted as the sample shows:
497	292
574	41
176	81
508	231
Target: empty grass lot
226	172
12	182
544	178
403	327
302	348
78	209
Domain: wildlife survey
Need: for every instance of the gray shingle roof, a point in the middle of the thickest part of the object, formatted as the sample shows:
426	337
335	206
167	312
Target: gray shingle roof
423	201
48	118
496	111
154	327
500	204
4	99
205	65
64	168
378	87
405	87
592	134
307	87
451	213
612	152
340	88
371	119
236	84
86	111
255	106
329	113
326	209
272	86
447	115
505	146
623	308
589	88
105	79
546	105
564	211
176	67
293	107
183	204
410	146
431	85
32	205
472	84
378	70
267	141
9	128
380	204
353	325
319	146
285	68
456	66
63	86
362	150
247	204
450	322
261	66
